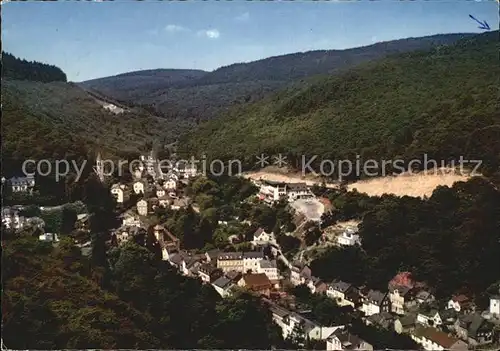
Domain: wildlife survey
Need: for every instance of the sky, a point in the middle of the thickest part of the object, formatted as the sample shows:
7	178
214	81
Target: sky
97	39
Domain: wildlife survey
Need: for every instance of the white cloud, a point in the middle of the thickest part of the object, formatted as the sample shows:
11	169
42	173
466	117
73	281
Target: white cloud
243	17
174	28
209	33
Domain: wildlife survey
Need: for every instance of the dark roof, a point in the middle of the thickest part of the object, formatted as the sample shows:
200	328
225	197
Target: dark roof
341	286
407	320
437	336
230	256
349	341
207	268
233	275
297	186
268	264
253	254
222	282
258	232
376	297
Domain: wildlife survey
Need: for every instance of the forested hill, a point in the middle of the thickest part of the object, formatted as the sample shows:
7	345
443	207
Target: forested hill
201	96
15	68
443	102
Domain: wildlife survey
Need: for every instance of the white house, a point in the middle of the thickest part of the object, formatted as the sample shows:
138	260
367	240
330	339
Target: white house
272	191
270	269
142	207
160	192
22	184
337	290
459	303
261	237
288	321
299	274
341	339
251	260
375	302
434	340
131	220
138	187
349	238
429	318
495	305
223	286
170	184
117	191
398	295
11	219
298	191
49	237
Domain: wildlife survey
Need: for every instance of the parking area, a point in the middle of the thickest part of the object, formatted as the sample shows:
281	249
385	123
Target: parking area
311	208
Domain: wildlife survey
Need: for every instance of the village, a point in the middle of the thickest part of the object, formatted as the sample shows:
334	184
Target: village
406	307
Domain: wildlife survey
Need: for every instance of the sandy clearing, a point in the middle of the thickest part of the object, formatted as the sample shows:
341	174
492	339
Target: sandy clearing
416	185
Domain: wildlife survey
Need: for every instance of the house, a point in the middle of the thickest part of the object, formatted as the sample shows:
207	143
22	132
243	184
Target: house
228	261
495	305
299	273
297	191
170	183
256	282
290	321
209	273
160	192
130	219
260	237
177	204
375	302
185	263
11	219
434	340
272	191
405	324
48	237
474	329
270	269
429	317
341	339
316	285
397	296
251	260
383	319
125	233
223	286
349	238
424	296
166	239
142	207
461	303
117	191
22	184
337	290
138	187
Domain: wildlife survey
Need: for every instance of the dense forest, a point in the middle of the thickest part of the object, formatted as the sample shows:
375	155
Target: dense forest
450	241
59	120
55	297
15	68
191	95
401	107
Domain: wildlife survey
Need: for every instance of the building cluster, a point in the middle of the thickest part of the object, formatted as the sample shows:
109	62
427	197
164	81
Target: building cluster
270	191
20	184
152	187
12	219
410	308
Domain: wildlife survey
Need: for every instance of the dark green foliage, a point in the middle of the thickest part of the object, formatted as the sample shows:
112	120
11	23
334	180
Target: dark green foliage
451	241
15	68
435	102
191	96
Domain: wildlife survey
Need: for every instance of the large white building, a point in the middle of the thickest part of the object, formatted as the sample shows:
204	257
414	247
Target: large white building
495	305
271	191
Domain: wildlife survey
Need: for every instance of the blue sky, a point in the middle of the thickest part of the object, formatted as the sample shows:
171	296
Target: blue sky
96	39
